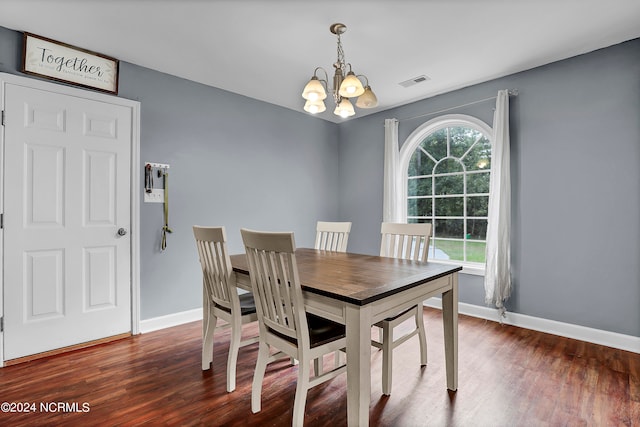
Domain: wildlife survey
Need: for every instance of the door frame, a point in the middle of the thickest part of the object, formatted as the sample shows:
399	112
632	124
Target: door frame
32	83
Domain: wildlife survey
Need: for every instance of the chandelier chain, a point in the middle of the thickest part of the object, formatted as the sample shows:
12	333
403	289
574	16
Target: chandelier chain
340	66
340	62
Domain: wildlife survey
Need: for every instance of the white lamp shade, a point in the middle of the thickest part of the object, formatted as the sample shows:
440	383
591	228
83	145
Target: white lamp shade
344	109
351	86
368	99
314	91
314	107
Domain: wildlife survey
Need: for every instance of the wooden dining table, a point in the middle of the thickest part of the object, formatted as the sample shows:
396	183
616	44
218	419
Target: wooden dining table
359	290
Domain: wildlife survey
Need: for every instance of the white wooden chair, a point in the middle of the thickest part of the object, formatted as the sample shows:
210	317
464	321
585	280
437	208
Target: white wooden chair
406	241
284	324
220	298
332	236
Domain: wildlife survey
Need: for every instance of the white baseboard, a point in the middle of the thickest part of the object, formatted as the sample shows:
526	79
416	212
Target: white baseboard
175	319
582	333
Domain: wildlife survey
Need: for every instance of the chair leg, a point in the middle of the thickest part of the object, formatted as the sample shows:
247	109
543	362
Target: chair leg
209	322
387	358
318	366
258	376
421	335
300	399
234	347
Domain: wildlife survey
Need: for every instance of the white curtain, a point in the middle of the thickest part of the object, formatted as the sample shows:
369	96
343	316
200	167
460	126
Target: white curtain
497	279
391	210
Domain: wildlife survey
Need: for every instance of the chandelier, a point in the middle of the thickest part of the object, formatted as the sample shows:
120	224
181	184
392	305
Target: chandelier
346	86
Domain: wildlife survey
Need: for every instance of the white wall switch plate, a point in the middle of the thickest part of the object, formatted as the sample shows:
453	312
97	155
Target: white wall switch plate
156	196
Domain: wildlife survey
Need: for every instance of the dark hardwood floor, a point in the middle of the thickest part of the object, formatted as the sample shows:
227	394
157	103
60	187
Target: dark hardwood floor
507	377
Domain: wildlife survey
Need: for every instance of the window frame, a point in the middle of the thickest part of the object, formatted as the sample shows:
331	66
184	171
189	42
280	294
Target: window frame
407	150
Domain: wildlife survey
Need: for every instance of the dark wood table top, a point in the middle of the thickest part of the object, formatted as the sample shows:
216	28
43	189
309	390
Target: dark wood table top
356	278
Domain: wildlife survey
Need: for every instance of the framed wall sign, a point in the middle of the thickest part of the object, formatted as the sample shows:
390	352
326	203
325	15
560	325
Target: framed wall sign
59	61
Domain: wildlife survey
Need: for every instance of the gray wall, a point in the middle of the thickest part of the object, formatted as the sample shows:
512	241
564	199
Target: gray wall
235	162
243	163
575	140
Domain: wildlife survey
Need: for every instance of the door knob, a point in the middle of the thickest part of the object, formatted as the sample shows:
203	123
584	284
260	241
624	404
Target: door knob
122	231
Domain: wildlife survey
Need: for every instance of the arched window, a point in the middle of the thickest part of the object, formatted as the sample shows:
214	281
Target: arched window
446	165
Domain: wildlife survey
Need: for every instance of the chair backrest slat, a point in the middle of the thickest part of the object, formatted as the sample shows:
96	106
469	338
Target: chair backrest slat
332	236
405	241
275	281
217	273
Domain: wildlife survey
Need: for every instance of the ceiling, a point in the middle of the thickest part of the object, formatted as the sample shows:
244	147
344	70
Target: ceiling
268	49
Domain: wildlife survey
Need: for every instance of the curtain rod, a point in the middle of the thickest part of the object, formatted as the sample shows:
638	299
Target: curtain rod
512	92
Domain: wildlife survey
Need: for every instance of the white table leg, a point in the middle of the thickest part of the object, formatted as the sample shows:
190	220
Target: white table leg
450	321
358	328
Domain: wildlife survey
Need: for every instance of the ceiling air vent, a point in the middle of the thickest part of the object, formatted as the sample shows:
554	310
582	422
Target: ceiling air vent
414	81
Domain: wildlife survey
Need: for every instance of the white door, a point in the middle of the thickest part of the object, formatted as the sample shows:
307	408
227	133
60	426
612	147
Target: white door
66	195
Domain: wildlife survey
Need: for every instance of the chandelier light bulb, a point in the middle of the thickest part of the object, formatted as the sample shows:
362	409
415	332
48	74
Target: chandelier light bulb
314	90
344	109
368	99
314	107
351	86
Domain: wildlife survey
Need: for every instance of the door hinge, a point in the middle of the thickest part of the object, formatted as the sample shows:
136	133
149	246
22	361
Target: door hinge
1	324
1	221
2	117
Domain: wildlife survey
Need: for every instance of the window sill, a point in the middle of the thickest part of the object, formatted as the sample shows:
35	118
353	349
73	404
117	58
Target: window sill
467	268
